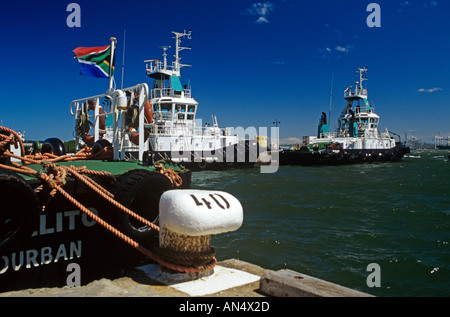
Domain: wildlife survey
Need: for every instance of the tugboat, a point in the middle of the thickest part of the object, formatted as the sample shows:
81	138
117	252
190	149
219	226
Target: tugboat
439	142
172	131
356	140
85	215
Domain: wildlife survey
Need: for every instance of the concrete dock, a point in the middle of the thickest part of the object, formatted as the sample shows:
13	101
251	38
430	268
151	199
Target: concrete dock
231	278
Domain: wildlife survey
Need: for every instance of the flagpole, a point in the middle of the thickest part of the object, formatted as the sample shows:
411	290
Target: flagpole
331	99
123	59
111	74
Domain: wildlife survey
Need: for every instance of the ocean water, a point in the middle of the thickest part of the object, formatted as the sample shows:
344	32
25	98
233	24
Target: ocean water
331	222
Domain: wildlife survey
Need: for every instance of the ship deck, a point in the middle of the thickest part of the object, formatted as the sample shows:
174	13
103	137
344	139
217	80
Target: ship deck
113	167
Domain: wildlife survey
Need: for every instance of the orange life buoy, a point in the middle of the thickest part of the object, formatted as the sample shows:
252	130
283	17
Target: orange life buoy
88	138
134	137
149	118
102	119
148	112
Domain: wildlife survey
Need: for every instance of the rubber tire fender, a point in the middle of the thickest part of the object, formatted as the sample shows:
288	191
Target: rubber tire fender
99	145
53	145
19	208
202	165
140	191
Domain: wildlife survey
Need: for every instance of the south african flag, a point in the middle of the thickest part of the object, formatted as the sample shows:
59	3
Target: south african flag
95	61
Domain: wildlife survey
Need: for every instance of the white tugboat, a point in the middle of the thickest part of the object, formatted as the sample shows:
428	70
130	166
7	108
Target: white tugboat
172	129
159	123
99	207
356	140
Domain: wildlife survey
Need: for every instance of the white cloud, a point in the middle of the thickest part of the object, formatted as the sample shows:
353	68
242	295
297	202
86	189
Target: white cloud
429	89
431	4
325	50
343	49
403	5
262	20
338	51
261	10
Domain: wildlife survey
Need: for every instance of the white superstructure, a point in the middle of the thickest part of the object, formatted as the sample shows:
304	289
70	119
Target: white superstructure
358	124
175	128
156	122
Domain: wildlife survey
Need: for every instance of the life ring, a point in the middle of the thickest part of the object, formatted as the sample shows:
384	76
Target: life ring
140	191
19	208
53	146
148	112
132	122
101	119
360	125
88	139
134	136
84	125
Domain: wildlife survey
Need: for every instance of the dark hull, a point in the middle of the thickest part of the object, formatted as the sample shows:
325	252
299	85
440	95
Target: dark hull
243	155
39	253
339	157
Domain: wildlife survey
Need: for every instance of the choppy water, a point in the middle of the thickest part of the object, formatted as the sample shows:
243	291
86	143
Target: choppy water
331	222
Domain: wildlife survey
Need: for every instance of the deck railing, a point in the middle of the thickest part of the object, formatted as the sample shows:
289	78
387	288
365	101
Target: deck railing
168	92
355	92
118	101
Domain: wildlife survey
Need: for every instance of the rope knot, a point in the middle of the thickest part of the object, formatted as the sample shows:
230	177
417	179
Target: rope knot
170	173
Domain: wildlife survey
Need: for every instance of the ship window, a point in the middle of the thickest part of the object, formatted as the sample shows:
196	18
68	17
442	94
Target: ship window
191	111
167	107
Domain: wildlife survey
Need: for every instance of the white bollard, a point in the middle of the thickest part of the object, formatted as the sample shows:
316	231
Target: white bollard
188	218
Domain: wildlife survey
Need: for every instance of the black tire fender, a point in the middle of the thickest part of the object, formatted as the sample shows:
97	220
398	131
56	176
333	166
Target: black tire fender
202	165
140	191
54	146
99	145
19	208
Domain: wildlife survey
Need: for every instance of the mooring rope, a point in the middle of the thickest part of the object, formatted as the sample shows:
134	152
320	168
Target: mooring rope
55	178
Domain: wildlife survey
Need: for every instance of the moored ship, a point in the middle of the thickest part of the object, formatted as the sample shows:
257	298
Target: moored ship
356	140
93	213
174	132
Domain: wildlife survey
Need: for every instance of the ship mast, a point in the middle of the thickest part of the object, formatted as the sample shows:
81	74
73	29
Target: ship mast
361	79
178	48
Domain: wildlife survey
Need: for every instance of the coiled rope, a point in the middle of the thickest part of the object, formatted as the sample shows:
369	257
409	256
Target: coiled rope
55	179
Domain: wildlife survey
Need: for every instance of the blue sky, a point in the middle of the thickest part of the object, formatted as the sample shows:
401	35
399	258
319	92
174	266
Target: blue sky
252	62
